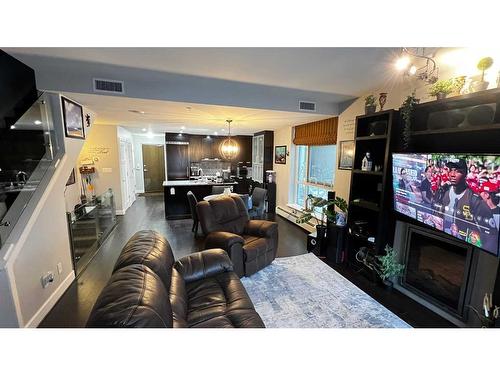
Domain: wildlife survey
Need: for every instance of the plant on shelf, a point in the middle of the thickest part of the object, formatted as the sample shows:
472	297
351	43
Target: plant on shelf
388	266
442	88
370	104
458	84
483	65
406	112
315	204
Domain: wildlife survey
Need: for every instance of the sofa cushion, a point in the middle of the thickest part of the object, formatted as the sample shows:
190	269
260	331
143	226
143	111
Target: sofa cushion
178	300
151	249
220	301
134	297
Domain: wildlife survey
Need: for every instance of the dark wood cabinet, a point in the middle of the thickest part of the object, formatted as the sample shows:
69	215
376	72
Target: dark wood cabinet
195	147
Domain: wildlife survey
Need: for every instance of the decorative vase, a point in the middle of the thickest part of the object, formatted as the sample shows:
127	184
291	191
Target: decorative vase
441	95
320	239
476	86
382	99
369	109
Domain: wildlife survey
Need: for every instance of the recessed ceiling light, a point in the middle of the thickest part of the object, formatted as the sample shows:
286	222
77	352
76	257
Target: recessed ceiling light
188	108
223	130
137	111
13	127
144	129
183	127
37	122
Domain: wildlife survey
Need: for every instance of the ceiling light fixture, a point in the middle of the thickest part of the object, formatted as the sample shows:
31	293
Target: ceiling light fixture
183	127
229	148
37	122
144	129
408	60
137	111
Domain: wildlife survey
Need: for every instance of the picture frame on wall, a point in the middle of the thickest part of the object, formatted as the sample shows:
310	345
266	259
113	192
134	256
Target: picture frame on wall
73	119
280	154
346	158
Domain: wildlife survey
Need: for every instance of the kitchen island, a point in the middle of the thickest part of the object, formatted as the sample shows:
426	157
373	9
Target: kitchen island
175	195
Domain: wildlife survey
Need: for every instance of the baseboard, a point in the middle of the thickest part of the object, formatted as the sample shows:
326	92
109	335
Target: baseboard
50	302
292	215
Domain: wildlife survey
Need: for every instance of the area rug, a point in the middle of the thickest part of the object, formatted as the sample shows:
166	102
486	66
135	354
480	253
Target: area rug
304	292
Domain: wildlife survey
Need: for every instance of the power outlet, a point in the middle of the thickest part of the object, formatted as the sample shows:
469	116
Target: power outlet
47	279
59	268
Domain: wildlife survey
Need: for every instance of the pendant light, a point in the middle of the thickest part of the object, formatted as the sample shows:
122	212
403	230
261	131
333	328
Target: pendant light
229	148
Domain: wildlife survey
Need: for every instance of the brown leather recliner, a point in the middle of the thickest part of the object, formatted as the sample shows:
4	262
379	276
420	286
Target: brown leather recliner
251	244
149	289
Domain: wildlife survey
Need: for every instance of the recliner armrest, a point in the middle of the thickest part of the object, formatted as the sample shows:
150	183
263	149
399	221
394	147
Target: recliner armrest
223	240
203	264
261	228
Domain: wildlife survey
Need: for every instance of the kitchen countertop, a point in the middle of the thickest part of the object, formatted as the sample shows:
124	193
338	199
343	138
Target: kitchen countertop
195	183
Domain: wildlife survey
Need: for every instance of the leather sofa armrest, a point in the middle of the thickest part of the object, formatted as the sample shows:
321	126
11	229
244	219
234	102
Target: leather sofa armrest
206	263
261	228
223	240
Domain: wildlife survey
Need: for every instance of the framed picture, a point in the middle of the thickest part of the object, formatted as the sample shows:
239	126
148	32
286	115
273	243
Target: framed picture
280	154
346	159
73	119
72	178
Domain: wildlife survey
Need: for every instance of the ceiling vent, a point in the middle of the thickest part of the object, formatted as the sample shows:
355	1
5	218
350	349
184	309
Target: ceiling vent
108	86
307	106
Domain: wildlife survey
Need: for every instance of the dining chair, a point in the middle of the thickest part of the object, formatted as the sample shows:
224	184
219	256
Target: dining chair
258	202
192	207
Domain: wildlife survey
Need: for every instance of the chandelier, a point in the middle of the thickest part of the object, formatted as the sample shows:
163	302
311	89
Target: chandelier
408	63
229	148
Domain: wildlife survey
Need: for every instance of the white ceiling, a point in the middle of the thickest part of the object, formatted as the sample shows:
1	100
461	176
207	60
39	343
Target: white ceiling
164	116
348	71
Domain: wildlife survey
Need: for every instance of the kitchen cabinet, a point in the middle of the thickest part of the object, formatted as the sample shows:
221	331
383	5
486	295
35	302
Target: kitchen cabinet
262	154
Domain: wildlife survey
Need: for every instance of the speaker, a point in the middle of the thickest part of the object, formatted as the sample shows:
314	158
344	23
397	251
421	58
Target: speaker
311	242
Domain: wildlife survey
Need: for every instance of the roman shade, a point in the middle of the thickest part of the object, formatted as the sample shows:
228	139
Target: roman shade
323	132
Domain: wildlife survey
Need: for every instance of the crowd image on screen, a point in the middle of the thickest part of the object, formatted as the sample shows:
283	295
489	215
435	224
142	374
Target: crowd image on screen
459	195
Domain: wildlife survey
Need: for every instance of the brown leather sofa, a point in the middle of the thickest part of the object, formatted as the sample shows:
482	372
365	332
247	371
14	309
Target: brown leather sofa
148	290
251	244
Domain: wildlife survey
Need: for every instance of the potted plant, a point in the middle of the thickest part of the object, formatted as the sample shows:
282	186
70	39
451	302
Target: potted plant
388	266
370	105
441	88
484	64
458	85
311	212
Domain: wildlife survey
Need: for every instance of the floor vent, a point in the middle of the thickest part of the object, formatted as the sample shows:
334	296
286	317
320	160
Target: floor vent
108	85
307	106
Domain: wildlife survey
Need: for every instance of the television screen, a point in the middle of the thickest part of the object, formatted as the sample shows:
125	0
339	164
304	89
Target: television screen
455	194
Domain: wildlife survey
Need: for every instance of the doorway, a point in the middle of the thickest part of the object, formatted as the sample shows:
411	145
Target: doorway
153	160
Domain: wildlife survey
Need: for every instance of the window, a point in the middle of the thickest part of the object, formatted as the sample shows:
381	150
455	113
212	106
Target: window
315	172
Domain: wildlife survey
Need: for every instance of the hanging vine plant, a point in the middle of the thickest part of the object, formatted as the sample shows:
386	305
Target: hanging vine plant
406	111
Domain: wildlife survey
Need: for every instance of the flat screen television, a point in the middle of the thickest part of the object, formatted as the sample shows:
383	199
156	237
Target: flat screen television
453	193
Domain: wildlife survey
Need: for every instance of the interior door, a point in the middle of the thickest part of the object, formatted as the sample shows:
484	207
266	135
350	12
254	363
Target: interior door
153	158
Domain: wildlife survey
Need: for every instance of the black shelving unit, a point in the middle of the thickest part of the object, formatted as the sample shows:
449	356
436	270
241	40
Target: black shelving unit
370	190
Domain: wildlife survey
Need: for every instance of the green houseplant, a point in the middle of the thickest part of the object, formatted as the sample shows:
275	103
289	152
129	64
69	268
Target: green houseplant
370	104
442	88
483	65
388	266
406	111
310	212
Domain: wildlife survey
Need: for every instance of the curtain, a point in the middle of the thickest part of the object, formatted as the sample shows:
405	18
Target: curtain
323	132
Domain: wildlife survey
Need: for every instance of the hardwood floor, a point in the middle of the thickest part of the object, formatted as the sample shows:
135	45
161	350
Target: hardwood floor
74	307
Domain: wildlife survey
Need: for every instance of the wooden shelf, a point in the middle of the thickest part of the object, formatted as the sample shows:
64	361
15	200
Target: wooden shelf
366	204
467	129
371	137
374	173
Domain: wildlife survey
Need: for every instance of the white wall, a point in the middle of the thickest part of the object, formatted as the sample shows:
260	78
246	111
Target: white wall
103	147
138	141
43	244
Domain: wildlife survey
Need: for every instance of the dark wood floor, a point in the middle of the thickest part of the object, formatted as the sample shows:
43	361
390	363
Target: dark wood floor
74	307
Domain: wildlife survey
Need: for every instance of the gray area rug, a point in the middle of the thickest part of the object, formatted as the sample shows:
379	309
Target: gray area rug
304	292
